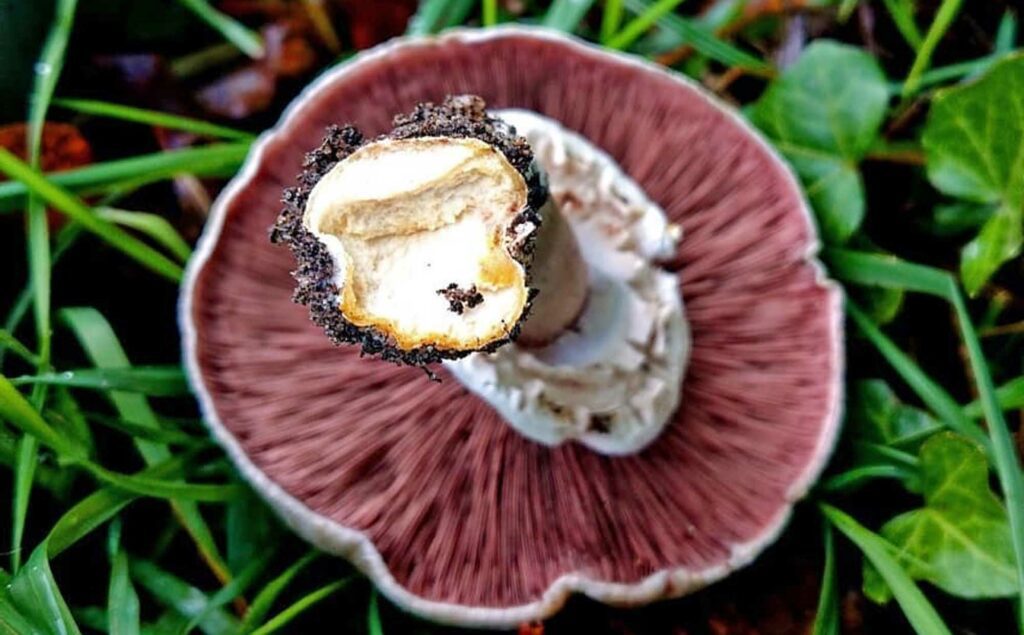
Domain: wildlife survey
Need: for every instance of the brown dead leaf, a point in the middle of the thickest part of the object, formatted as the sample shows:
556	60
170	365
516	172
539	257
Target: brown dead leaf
531	628
371	23
289	52
63	146
239	94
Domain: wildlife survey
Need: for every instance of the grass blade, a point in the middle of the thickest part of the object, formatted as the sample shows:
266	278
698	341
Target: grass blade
19	412
101	345
122	600
943	20
952	72
157	381
184	598
611	19
152	225
931	393
865	269
158	488
489	13
639	25
232	30
48	70
1010	397
232	590
826	619
263	602
282	619
139	431
1006	34
218	159
373	625
915	605
902	14
26	461
34	593
75	210
879	270
1004	449
100	506
856	477
152	118
566	15
437	15
704	40
10	343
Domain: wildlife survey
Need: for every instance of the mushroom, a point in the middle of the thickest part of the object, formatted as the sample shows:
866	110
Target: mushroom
636	450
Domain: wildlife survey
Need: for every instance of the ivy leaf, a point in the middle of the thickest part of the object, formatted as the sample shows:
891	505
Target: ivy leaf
974	142
1000	240
960	217
876	414
823	114
960	540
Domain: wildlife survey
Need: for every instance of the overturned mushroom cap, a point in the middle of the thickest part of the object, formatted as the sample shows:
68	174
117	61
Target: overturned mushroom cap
449	511
417	245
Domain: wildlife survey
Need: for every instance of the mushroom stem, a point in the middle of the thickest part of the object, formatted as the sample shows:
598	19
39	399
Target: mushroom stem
560	278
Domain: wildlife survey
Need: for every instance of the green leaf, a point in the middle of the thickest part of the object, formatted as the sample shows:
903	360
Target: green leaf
960	540
915	605
824	113
157	381
974	140
34	594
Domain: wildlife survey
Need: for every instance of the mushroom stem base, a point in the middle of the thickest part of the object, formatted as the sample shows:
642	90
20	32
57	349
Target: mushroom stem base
613	378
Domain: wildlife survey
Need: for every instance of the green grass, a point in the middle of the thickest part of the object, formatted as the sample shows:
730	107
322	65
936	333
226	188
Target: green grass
188	548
